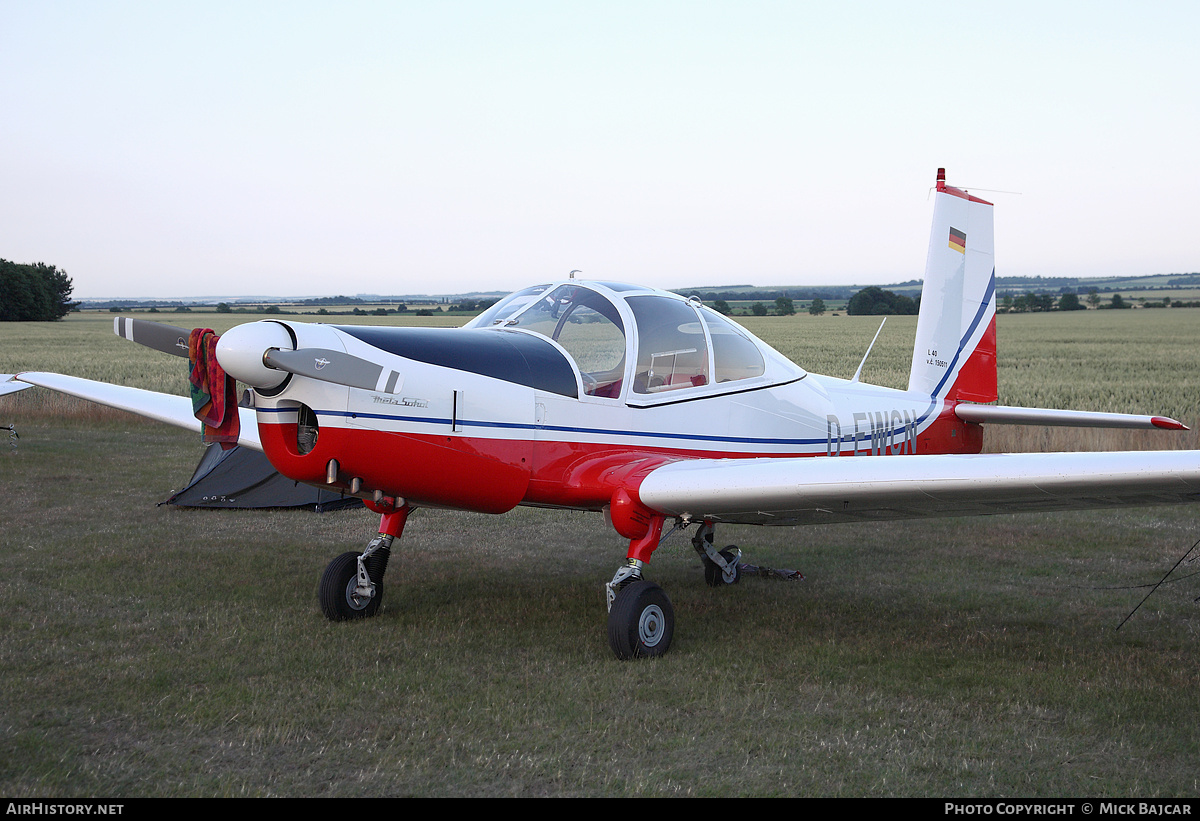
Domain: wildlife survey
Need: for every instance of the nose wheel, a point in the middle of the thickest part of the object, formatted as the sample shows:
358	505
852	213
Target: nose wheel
352	585
342	596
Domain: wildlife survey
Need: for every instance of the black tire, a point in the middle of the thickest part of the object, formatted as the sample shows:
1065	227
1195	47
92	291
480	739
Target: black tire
712	571
641	622
336	591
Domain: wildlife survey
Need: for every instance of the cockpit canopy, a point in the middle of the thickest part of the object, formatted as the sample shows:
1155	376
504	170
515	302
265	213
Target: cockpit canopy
639	343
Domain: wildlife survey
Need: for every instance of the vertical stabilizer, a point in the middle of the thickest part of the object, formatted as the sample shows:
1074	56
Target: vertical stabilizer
955	352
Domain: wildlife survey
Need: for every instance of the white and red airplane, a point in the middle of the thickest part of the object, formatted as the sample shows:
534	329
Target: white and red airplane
651	408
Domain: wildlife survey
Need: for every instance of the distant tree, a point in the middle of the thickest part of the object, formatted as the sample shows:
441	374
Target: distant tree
784	306
722	307
1119	302
1093	297
758	309
817	307
874	301
1070	302
34	293
223	308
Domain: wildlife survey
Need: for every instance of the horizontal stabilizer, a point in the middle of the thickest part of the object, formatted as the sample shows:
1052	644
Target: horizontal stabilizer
1001	415
162	407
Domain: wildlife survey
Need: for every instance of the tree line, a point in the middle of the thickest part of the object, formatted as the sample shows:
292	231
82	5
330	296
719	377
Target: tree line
875	301
34	293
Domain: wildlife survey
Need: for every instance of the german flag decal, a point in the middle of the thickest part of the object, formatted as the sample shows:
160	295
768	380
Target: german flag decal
958	240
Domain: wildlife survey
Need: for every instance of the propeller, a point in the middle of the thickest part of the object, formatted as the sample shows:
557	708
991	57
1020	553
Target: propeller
260	354
336	367
213	393
157	335
256	353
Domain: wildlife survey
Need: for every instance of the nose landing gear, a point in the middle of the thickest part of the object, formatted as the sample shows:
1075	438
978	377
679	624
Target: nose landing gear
352	585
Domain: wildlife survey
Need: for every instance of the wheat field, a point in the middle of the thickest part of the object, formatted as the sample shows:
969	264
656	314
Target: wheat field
1144	361
151	651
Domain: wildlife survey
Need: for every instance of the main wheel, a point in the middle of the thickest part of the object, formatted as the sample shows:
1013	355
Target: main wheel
715	576
641	622
336	593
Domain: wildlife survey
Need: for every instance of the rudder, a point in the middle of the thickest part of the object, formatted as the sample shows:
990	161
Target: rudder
954	355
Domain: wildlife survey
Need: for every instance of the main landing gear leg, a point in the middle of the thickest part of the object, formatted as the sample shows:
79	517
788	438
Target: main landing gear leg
721	567
725	566
641	620
352	585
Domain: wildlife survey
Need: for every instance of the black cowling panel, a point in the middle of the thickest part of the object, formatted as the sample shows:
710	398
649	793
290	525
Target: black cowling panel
509	355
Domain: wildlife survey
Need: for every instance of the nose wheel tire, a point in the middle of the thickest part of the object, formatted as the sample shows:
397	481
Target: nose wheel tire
336	592
641	622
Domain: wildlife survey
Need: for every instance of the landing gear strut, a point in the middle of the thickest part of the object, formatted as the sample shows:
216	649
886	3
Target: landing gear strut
641	620
721	567
352	585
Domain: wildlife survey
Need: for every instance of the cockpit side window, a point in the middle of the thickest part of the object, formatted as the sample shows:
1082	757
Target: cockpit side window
734	355
672	348
589	328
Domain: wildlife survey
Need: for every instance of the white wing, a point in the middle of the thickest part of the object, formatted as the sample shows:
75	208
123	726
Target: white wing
8	385
871	488
163	407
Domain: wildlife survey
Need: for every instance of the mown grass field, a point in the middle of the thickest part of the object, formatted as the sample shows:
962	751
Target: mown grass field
148	651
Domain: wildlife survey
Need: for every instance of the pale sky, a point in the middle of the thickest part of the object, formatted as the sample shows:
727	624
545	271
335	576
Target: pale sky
169	149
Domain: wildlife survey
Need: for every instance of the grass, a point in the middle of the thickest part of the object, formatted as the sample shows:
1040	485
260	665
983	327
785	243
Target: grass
153	651
148	651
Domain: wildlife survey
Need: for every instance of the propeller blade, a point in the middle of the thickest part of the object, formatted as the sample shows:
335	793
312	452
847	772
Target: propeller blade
213	392
336	367
156	335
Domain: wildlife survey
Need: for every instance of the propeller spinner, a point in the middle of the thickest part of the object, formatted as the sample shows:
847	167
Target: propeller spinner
242	353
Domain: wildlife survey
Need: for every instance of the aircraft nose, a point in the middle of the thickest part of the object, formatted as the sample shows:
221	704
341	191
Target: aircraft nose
241	349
